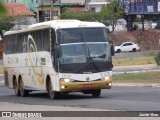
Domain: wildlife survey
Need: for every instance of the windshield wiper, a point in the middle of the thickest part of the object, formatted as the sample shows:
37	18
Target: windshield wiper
90	60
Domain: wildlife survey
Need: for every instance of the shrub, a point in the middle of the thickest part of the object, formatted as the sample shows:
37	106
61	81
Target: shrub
157	58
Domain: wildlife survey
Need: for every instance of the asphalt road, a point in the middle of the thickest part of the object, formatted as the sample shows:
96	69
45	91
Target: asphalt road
118	98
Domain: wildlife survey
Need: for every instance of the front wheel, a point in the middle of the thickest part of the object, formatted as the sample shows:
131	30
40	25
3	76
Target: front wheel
96	93
52	94
23	92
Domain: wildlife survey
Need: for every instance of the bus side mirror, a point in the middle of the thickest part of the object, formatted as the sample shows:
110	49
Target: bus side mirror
112	50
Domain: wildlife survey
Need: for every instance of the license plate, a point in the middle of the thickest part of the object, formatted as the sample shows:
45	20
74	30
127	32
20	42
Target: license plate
87	85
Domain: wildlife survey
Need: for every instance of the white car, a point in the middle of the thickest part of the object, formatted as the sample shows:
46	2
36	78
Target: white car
127	46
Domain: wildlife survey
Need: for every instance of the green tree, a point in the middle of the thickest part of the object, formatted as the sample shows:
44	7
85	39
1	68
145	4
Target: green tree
109	14
112	12
84	16
6	23
63	9
2	9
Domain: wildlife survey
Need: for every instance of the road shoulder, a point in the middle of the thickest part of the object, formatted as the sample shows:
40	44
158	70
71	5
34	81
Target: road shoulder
136	84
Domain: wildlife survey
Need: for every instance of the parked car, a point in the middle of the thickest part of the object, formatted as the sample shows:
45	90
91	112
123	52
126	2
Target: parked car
127	46
153	25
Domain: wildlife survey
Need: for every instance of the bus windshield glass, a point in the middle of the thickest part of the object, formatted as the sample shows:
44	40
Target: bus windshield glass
81	53
80	45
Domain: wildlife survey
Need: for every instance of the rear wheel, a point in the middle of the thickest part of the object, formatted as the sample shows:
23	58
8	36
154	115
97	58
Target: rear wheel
52	94
134	50
118	51
16	88
96	93
23	92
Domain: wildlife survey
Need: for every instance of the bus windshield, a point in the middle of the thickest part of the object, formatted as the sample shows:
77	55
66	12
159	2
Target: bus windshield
81	53
83	44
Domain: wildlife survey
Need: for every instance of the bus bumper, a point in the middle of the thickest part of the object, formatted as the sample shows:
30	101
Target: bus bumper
80	86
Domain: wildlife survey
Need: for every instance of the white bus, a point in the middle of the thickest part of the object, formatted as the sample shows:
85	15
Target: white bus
59	57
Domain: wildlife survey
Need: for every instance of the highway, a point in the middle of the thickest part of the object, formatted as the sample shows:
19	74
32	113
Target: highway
128	98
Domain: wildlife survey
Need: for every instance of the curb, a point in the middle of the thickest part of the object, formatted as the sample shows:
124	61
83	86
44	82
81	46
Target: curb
136	84
136	66
136	71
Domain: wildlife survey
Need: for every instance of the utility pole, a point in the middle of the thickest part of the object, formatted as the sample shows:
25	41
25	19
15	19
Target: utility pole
42	7
52	9
142	19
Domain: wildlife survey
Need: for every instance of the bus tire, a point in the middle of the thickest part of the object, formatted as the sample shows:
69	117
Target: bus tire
52	94
96	93
16	88
23	92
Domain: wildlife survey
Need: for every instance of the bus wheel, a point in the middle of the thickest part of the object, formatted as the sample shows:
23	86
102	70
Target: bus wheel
96	93
52	94
23	92
16	88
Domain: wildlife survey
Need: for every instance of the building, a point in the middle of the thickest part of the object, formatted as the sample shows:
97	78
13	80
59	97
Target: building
43	8
73	2
95	5
74	5
30	4
18	9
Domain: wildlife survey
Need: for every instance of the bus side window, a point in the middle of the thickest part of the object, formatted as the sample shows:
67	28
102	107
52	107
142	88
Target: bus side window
19	48
38	40
13	43
46	40
9	45
24	42
5	39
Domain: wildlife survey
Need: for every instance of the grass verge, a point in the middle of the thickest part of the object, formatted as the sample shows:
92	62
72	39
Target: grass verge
145	77
134	61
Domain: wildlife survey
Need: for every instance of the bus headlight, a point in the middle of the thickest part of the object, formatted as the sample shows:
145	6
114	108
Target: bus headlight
66	80
105	76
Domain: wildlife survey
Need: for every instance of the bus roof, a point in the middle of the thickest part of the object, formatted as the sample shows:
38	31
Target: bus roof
58	24
25	30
